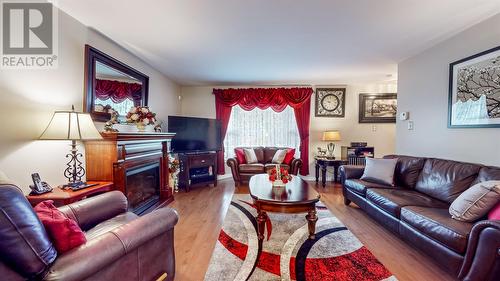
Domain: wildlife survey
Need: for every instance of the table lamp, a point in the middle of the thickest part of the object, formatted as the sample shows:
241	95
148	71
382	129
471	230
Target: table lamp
331	136
71	125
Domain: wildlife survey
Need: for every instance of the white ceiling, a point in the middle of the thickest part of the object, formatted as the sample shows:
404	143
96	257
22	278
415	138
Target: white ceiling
206	42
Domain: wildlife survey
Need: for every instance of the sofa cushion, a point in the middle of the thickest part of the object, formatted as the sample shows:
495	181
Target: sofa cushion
437	224
360	186
251	168
240	155
269	153
259	152
108	225
407	169
392	200
290	153
488	174
250	156
445	179
279	156
270	166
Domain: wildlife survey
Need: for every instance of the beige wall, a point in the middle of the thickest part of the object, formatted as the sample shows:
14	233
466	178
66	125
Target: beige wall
423	91
29	97
199	102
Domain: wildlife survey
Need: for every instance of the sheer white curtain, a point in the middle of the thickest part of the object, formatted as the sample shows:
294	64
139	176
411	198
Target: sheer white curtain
261	128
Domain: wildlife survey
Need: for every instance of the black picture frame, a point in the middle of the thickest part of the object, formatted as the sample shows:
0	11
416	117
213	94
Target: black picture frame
363	98
92	55
469	93
337	93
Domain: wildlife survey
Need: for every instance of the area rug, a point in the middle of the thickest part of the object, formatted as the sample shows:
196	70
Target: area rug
287	253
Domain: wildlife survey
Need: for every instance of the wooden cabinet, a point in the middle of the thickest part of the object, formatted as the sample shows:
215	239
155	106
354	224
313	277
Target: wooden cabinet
119	156
197	169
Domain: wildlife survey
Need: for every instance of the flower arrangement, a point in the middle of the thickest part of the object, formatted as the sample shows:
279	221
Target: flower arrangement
279	175
141	116
173	170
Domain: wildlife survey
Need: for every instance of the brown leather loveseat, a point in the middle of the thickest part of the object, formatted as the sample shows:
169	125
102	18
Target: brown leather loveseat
120	245
243	172
417	210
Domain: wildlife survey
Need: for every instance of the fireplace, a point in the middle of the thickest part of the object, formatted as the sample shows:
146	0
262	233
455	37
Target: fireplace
143	187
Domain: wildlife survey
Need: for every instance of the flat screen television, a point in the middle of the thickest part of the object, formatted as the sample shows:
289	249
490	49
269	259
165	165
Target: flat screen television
194	134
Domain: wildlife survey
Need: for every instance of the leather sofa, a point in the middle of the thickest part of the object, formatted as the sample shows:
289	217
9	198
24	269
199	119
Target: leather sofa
243	172
120	245
416	209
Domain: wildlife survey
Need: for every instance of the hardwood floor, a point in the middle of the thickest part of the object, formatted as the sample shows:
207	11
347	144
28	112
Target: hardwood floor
202	212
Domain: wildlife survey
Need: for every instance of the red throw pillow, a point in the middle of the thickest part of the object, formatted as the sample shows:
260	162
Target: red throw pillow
289	156
240	155
494	213
63	231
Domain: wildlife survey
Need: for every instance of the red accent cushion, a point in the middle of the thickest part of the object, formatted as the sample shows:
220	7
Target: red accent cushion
494	213
289	156
63	231
240	155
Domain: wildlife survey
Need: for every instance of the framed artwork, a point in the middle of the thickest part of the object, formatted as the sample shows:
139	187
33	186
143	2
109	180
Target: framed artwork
378	108
330	102
474	91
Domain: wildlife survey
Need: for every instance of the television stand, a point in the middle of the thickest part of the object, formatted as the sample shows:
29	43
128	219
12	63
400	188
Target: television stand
197	169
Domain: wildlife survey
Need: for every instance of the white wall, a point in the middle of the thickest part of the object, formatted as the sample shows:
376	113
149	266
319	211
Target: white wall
29	97
423	91
200	102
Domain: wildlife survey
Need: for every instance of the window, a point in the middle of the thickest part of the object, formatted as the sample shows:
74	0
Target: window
261	128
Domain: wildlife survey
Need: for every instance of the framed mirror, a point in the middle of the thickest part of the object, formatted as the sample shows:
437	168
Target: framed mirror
111	85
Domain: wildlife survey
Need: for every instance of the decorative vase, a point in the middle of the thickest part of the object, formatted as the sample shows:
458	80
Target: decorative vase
140	127
278	183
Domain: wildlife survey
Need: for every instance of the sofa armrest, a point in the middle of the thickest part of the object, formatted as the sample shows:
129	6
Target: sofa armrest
482	259
351	172
233	164
295	166
99	253
91	211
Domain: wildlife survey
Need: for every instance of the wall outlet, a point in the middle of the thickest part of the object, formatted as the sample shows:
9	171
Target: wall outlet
410	125
374	128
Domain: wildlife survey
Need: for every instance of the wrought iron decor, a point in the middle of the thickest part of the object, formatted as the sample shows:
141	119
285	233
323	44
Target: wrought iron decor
330	102
474	91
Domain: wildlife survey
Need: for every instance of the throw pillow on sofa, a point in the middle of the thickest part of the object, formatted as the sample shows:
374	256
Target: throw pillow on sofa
289	156
494	213
240	155
474	203
64	232
380	171
279	156
250	156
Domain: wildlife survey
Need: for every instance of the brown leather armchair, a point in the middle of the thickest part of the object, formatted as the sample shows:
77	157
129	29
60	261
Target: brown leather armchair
243	172
120	245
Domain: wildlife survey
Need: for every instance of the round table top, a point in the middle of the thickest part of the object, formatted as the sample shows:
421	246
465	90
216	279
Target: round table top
295	191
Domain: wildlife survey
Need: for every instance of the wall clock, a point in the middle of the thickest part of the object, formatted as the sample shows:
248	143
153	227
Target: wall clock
330	102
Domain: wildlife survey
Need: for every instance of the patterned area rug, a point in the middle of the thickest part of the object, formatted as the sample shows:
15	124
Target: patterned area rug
288	254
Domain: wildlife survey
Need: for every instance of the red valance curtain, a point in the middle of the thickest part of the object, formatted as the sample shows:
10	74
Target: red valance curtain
118	91
276	98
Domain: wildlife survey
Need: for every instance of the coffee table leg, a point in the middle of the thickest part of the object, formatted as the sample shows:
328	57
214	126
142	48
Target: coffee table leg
261	225
311	222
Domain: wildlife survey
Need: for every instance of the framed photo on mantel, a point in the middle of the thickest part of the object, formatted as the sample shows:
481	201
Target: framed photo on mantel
330	102
474	91
378	108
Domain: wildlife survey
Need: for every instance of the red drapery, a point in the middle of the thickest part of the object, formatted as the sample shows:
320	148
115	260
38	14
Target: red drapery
118	91
276	98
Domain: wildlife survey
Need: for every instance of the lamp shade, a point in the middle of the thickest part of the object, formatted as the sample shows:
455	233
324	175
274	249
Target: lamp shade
70	125
331	136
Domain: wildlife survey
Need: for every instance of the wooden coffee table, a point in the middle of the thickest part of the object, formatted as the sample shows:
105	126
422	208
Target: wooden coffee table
296	197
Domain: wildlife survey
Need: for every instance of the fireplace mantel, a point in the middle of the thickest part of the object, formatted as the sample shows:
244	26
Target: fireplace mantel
117	154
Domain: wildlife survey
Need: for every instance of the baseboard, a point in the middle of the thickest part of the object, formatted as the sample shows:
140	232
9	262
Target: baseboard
313	178
223	177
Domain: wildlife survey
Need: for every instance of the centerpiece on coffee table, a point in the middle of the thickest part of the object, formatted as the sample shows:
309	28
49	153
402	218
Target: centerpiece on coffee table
279	176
